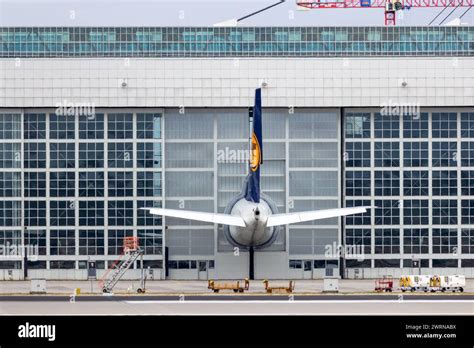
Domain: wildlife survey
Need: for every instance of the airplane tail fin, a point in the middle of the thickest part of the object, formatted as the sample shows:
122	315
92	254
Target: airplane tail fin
252	192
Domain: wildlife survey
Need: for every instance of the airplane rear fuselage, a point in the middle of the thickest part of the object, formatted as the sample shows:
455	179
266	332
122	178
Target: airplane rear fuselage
255	233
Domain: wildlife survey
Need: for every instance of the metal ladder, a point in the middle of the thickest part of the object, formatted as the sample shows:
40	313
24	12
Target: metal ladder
120	269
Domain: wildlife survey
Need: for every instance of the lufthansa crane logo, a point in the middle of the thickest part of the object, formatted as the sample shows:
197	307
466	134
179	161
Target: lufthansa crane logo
256	154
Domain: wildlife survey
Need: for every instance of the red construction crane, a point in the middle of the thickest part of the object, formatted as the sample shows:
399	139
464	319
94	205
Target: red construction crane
390	6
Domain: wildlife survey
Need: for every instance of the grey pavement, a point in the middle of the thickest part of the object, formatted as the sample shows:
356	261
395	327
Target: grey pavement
389	307
191	286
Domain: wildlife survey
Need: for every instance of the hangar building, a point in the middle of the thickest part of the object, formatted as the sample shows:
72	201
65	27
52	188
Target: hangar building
97	122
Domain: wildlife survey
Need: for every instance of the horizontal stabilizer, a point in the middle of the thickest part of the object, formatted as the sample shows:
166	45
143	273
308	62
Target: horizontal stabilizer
224	219
293	218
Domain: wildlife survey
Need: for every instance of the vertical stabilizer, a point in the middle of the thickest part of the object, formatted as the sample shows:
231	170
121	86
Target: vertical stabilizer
256	154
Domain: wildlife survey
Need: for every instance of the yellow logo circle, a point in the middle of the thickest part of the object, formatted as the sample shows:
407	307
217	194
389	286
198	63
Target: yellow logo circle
255	154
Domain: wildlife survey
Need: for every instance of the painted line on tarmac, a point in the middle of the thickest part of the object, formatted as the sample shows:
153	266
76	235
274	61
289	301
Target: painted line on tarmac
295	301
192	314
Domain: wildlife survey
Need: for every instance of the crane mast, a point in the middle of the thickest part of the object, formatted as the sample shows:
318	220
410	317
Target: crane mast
390	6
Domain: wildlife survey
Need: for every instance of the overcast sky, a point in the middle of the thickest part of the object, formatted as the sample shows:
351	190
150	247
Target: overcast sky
197	13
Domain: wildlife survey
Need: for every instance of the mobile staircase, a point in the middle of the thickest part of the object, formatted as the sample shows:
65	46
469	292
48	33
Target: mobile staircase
131	252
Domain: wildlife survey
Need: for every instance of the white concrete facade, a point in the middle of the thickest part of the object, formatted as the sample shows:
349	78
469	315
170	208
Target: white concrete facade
229	82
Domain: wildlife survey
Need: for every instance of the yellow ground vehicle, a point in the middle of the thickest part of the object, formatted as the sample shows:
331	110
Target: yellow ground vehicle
414	283
238	286
432	283
279	289
447	283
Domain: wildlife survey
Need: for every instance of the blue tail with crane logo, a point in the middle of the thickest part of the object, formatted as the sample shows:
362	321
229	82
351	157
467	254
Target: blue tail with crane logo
252	191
